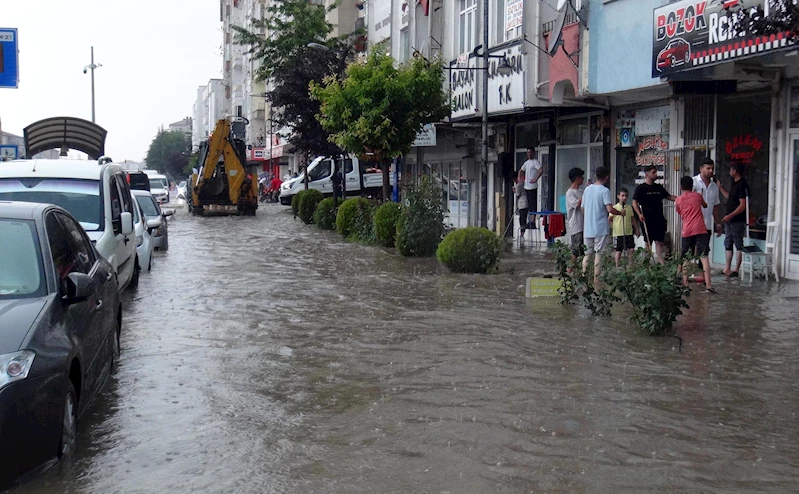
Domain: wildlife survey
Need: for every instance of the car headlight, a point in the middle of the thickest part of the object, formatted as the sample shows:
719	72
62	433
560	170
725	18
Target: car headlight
160	231
139	240
15	366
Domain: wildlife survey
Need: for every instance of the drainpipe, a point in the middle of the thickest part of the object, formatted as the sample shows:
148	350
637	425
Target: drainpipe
776	158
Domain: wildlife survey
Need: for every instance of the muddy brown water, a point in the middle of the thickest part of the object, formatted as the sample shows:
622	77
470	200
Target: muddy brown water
261	355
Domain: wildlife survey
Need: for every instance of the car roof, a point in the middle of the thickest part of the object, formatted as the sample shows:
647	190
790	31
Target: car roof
81	169
18	210
139	192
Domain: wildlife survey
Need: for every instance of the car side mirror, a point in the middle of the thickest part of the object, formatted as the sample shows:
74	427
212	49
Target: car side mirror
78	287
127	223
152	224
167	212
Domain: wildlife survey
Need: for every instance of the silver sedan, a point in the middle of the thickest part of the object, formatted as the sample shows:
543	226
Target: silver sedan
153	211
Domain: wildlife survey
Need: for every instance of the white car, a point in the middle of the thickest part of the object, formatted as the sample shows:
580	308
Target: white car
182	190
159	186
153	212
144	241
96	193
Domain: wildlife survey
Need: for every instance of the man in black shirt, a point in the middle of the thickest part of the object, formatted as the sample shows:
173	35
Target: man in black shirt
735	220
648	205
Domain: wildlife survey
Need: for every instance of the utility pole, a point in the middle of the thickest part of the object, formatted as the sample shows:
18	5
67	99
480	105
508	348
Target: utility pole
484	164
91	67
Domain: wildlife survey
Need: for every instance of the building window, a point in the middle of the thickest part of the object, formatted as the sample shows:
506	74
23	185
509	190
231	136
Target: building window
499	22
467	25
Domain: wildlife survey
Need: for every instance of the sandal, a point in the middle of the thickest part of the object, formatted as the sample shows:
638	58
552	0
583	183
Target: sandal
710	290
733	274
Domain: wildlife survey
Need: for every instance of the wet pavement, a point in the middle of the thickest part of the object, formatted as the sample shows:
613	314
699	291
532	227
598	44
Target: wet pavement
262	355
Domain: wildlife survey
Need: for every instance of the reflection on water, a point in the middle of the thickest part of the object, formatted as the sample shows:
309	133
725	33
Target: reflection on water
261	355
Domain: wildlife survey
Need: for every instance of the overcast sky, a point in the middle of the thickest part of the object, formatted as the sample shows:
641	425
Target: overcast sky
155	53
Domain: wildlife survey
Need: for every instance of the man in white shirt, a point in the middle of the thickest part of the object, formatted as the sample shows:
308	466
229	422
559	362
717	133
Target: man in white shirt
529	173
704	184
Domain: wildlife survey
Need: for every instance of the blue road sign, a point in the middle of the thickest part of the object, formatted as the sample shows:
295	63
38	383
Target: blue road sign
9	152
9	58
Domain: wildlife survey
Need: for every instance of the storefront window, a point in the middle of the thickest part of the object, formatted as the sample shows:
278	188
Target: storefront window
574	131
744	122
642	138
568	158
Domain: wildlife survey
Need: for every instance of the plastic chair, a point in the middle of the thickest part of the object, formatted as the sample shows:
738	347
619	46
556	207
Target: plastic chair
766	258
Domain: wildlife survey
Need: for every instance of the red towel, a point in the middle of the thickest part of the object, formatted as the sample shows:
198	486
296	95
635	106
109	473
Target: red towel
557	226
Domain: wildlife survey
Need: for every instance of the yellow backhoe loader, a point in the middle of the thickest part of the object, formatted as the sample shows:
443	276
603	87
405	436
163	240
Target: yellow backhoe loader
222	184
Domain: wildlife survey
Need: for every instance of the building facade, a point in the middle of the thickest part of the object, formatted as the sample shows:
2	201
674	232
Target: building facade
209	107
185	126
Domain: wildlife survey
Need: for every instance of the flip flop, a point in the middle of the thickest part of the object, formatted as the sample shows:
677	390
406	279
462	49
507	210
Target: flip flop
733	274
710	290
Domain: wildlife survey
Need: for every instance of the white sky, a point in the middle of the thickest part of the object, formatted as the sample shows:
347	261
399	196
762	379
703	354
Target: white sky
155	53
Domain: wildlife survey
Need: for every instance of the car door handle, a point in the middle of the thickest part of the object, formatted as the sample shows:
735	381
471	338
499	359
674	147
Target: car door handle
109	276
127	240
99	305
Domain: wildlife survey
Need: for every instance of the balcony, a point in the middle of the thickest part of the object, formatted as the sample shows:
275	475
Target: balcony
571	18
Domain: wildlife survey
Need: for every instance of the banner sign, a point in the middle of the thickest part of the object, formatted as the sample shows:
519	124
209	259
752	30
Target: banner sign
691	34
426	136
506	92
514	14
9	58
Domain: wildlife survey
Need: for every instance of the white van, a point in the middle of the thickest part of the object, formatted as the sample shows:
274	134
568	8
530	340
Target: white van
159	186
96	193
320	173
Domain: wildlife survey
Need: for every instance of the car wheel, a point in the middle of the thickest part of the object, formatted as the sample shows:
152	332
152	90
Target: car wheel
687	57
150	264
134	282
69	423
165	245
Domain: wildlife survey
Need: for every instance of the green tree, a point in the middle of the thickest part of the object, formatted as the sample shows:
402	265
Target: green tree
378	109
169	153
290	65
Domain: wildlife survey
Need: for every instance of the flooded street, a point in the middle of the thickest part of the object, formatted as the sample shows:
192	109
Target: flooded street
262	355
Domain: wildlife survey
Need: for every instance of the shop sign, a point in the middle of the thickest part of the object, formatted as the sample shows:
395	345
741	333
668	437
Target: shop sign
463	87
697	33
506	92
426	137
514	14
266	153
743	148
543	287
650	150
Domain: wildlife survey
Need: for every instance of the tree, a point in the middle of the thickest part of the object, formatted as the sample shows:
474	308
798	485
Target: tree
782	17
169	153
290	65
378	109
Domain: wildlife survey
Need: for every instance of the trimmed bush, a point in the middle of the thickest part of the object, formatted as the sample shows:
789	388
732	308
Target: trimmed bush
325	215
421	223
348	213
385	222
295	203
470	250
308	202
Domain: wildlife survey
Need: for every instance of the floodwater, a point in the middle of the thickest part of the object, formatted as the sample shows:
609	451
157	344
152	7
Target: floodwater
262	355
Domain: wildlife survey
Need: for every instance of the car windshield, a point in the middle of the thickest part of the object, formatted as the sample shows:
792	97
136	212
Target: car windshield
148	205
21	272
156	183
80	197
182	184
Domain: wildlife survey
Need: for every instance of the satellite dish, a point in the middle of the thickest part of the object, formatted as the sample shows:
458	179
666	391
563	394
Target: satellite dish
556	36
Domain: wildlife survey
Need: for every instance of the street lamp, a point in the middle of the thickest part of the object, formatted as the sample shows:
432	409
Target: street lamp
91	67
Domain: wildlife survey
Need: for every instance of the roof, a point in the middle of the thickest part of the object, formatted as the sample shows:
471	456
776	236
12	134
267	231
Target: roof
139	192
81	169
20	210
74	133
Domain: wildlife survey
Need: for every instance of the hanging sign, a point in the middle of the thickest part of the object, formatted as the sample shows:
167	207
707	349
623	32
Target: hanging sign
426	137
463	87
506	92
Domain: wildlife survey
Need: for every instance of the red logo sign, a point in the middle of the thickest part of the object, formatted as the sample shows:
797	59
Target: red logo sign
743	148
682	20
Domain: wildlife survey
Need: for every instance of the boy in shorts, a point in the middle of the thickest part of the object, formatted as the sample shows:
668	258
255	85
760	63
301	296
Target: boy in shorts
695	239
574	212
624	227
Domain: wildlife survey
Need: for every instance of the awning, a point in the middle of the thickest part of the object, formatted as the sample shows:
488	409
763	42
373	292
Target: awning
74	133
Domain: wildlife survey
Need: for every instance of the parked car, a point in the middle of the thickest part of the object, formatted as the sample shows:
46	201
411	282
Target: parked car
96	193
677	52
153	212
60	315
138	180
320	173
144	241
159	186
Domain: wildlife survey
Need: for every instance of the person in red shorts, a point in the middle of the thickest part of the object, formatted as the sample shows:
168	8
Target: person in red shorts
695	239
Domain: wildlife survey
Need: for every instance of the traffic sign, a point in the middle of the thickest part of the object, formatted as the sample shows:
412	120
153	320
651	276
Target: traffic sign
9	58
9	152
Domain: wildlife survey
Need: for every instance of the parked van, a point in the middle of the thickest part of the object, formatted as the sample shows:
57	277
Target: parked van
320	177
96	193
159	186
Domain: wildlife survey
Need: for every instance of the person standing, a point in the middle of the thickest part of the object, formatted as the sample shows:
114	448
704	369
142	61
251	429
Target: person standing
597	204
707	188
529	173
695	237
521	205
624	228
574	212
735	219
648	205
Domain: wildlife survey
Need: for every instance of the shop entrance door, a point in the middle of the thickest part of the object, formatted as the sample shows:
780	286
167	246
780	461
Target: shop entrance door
543	183
792	235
